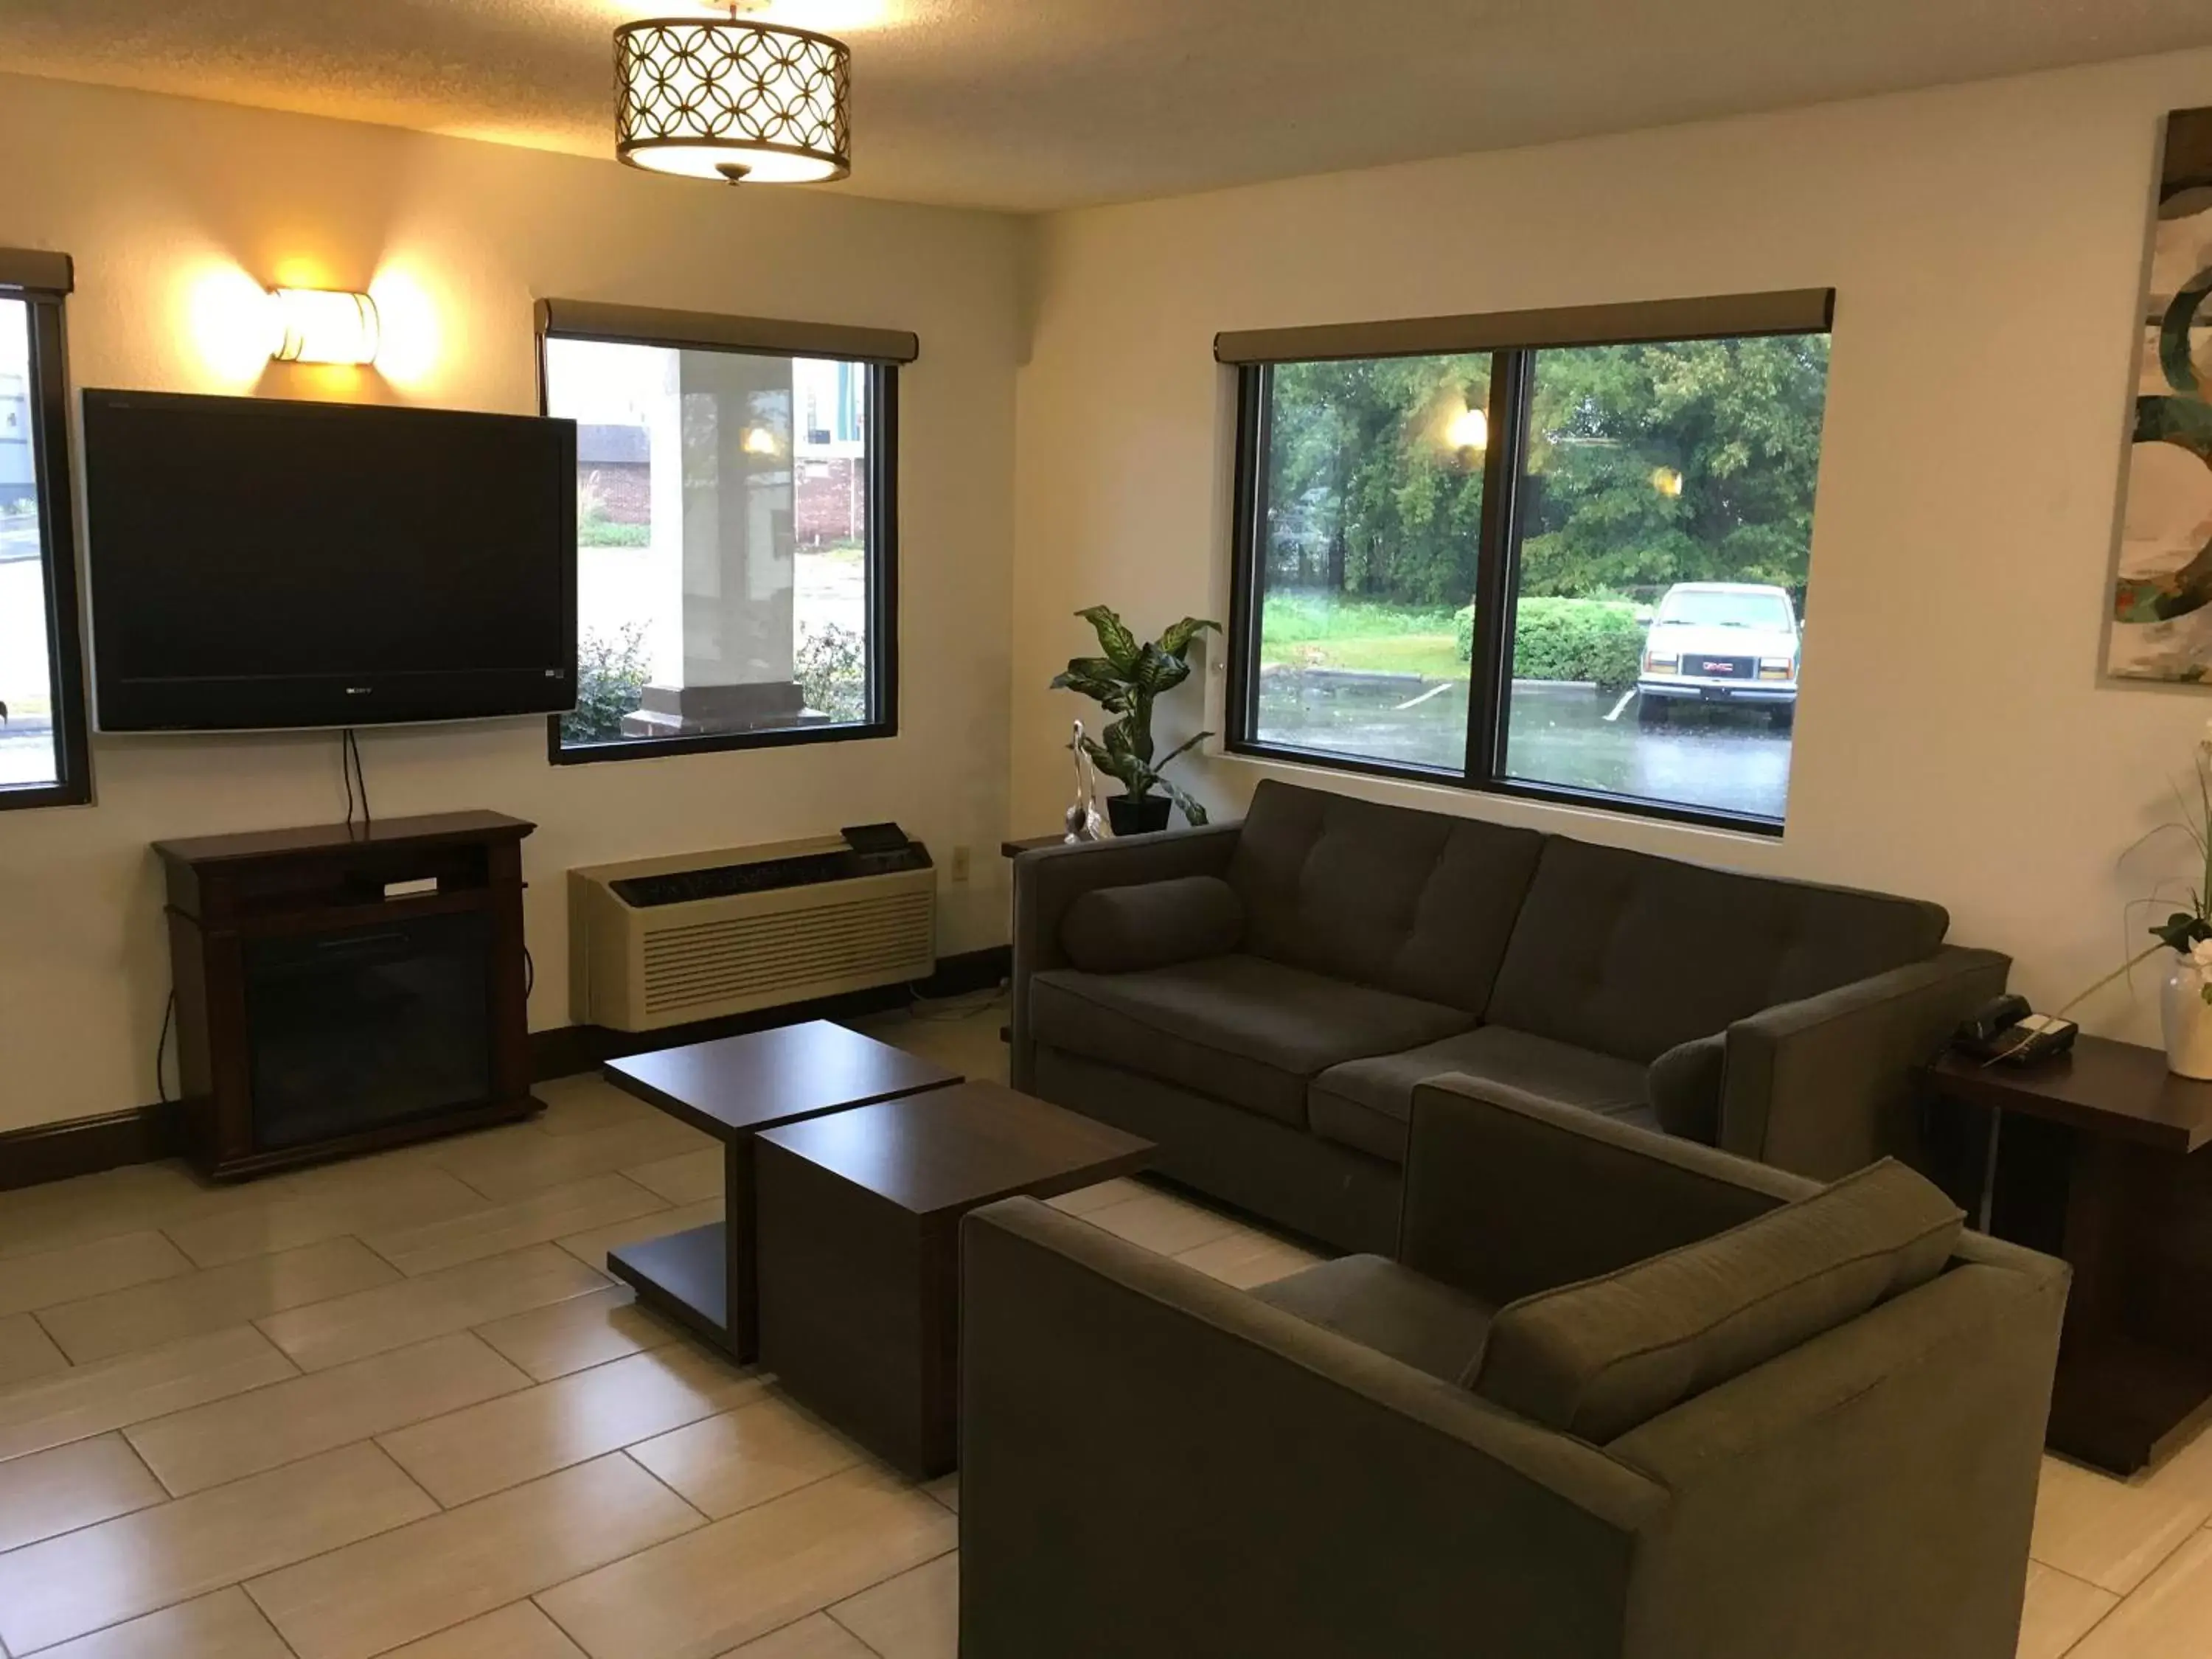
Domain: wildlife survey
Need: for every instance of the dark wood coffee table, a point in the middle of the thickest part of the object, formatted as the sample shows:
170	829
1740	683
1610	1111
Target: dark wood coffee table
2094	1158
860	1220
731	1089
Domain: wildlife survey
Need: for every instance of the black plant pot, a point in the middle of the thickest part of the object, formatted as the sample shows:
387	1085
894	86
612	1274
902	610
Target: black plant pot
1137	818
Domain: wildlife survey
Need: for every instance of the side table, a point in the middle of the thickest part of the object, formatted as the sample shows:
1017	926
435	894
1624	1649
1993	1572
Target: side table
732	1088
2092	1156
859	1230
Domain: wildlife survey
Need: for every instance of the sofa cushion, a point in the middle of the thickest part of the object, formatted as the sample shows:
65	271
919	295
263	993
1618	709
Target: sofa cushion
1151	924
1685	1085
1366	1103
1420	904
1630	954
1598	1358
1392	1310
1237	1028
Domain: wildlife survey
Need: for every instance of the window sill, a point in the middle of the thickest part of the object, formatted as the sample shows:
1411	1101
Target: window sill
669	748
1532	805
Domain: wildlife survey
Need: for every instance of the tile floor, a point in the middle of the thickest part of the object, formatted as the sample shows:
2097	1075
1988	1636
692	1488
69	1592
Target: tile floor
394	1407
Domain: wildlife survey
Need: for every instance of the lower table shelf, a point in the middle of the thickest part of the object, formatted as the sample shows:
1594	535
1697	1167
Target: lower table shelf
685	1277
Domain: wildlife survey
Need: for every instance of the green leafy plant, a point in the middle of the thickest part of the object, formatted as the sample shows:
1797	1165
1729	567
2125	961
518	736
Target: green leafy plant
833	672
1597	640
1125	683
610	677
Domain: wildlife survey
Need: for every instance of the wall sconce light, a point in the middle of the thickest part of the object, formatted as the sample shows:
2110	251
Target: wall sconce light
322	326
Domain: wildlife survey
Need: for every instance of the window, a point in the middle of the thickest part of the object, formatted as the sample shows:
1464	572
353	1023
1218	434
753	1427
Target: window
43	759
1557	566
735	529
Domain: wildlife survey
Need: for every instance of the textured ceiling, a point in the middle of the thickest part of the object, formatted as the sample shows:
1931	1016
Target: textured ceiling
1031	104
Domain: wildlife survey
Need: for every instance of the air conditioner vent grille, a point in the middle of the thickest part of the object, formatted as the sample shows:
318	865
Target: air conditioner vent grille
787	956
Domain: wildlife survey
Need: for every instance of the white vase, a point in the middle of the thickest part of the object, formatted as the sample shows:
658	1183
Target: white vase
2188	1020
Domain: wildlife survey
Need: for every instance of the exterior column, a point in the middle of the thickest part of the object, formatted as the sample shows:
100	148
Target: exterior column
723	480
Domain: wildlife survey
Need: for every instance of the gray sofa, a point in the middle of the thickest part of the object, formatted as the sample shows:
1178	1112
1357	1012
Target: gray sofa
1619	1397
1261	997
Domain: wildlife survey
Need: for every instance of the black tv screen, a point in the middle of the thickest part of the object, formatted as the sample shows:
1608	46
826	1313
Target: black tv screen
258	564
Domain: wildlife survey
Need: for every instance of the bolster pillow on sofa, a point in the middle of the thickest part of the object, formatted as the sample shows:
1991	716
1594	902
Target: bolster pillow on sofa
1596	1358
1151	924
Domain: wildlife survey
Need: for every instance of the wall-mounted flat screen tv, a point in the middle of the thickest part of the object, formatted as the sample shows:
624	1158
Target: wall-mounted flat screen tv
260	564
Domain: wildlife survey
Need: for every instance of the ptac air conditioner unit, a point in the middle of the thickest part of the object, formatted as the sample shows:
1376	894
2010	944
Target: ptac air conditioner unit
659	942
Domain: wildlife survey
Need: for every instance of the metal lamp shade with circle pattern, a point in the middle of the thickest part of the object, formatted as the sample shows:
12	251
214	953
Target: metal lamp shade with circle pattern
714	98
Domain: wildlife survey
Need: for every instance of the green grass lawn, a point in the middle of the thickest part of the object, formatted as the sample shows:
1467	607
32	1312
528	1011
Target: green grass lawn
1326	631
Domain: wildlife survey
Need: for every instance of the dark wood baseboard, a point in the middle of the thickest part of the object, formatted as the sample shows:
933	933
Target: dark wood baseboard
565	1050
142	1135
86	1146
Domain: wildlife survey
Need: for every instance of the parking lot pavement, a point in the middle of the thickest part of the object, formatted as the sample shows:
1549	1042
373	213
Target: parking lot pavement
1719	760
19	539
27	753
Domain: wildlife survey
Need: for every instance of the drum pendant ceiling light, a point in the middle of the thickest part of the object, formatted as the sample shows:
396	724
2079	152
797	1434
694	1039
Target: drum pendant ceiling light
723	98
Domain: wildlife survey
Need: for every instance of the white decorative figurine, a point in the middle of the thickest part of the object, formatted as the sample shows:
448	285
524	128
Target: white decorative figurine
1082	817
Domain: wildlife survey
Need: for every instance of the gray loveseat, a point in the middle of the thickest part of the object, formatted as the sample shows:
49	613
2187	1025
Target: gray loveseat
1262	997
1617	1396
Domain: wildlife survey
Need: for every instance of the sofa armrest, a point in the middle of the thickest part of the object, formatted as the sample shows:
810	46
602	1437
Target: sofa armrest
1870	1491
1154	1463
1047	880
1508	1193
1831	1083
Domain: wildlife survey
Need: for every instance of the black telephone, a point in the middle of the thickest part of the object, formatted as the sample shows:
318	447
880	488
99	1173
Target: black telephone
2006	1031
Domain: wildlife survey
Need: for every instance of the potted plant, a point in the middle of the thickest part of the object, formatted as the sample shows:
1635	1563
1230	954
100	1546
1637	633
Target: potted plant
1125	681
2185	999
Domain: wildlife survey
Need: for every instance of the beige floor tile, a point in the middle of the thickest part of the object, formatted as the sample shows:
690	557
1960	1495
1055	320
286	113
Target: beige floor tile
587	1102
687	1178
122	1568
747	1456
379	1197
946	1489
287	1421
1162	1221
2059	1611
1248	1257
169	1309
585	1330
915	1615
518	1631
597	1201
816	1637
1084	1200
592	1247
130	1200
224	1625
56	1491
53	1277
2169	1616
520	1437
512	1163
26	1350
91	1399
959	1033
2109	1533
464	1563
723	1585
415	1310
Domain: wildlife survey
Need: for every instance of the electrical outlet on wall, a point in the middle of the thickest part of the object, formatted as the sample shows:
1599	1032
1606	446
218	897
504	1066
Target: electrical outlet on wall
959	864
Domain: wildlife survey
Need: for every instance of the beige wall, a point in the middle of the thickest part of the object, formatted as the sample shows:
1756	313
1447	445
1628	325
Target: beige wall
1986	243
155	198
